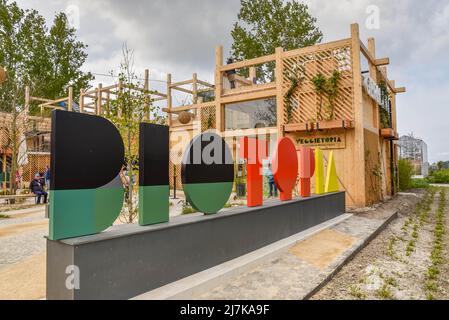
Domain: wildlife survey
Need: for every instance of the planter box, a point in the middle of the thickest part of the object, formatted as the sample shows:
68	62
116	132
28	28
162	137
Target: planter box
388	133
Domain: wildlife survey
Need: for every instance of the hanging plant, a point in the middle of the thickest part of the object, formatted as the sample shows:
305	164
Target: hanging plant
327	88
296	78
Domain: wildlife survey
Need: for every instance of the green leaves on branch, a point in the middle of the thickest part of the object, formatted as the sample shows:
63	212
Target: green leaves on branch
49	60
327	88
296	79
264	25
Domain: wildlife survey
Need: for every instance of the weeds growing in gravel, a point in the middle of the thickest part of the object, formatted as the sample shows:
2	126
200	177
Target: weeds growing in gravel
357	293
436	255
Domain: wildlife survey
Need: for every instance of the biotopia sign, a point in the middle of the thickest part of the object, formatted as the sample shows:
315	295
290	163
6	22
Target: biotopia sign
88	155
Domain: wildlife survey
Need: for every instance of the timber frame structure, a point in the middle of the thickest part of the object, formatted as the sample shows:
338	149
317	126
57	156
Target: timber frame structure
362	131
362	128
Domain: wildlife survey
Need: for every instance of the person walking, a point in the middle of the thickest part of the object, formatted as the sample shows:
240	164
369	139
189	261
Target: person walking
271	182
47	177
37	188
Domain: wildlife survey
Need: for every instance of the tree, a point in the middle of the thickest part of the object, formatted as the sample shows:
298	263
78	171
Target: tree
264	25
131	107
49	61
46	61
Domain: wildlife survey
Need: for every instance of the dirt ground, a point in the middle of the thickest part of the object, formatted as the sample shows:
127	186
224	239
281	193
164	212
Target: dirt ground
398	263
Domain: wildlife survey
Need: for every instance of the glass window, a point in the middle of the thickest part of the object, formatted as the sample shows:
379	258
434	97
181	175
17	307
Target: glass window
251	114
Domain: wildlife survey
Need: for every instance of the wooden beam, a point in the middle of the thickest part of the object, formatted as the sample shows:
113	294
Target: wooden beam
255	95
400	90
204	83
182	89
381	62
181	83
40	99
317	47
248	63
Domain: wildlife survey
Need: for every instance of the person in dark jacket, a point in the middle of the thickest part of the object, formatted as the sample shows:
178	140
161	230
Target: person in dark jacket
37	188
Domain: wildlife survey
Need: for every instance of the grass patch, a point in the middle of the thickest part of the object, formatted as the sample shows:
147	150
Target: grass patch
384	292
357	293
4	216
436	254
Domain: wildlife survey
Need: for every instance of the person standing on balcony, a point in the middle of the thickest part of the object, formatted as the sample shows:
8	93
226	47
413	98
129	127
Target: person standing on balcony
230	74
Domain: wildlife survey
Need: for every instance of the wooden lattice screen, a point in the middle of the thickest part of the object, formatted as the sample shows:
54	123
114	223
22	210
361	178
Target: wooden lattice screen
208	118
37	163
305	102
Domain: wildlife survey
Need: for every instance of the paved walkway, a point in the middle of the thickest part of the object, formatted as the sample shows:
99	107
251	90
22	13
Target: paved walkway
298	272
22	254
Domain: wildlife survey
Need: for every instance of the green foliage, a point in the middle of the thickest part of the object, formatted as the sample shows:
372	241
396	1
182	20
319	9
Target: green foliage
4	216
47	60
327	88
131	107
419	184
296	80
440	176
264	25
405	169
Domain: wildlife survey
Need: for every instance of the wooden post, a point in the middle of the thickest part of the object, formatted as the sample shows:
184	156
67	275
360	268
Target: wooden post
279	92
70	102
4	172
169	100
27	100
252	74
108	103
120	91
373	73
219	88
357	171
195	88
99	99
82	101
147	88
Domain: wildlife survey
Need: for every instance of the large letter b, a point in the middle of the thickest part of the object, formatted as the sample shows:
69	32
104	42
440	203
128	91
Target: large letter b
87	154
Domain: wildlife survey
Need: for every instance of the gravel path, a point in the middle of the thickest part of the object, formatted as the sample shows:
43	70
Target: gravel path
395	265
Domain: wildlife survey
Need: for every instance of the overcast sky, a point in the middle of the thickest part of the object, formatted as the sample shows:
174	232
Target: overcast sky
179	36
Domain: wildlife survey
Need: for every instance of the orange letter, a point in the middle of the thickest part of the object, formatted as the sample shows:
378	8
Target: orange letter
254	151
285	168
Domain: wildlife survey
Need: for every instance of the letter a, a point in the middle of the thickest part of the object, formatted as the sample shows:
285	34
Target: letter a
331	179
319	172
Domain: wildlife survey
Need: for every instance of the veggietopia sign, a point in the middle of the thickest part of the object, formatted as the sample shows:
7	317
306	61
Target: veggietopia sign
88	155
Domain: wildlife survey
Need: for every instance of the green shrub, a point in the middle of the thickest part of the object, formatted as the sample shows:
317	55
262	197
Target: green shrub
405	169
440	176
419	184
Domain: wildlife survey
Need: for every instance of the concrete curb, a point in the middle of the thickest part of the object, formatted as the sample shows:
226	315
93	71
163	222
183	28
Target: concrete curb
346	260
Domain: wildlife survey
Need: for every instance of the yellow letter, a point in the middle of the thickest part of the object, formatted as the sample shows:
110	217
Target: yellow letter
331	179
319	172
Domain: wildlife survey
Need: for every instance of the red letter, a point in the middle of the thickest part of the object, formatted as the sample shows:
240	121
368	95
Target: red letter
285	168
254	151
306	170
